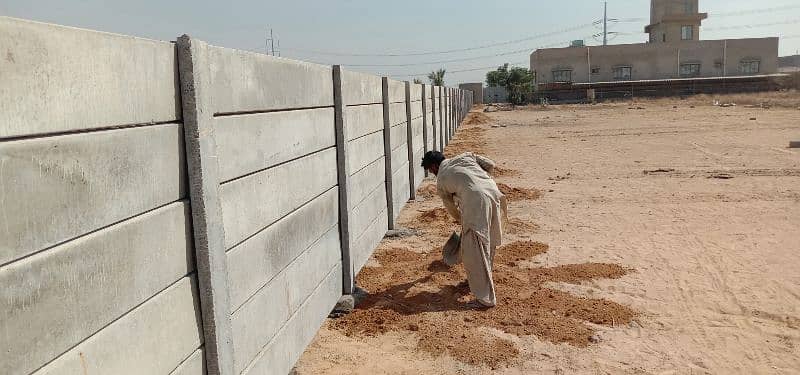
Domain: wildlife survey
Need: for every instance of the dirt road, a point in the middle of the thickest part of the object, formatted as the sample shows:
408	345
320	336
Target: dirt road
646	238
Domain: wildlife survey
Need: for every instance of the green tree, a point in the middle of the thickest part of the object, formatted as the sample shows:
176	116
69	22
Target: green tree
437	77
497	78
517	81
417	81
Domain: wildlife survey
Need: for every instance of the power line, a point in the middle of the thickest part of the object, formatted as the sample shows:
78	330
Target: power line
755	11
462	70
525	50
533	37
787	22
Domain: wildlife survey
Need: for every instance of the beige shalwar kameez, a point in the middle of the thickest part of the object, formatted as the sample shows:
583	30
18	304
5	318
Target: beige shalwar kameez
471	196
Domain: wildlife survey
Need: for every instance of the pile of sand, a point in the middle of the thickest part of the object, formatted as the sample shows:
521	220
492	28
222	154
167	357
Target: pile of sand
515	194
417	293
476	118
467	140
504	172
427	191
435	222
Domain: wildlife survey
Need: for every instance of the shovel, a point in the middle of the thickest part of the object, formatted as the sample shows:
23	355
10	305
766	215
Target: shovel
450	250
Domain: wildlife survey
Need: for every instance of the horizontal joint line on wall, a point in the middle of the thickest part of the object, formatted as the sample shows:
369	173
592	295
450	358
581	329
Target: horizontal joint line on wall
364	135
267	284
276	165
255	112
35	253
88	130
363	104
279	219
146	300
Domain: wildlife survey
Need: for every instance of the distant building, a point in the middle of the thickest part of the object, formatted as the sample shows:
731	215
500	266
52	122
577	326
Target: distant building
789	64
496	94
674	51
477	91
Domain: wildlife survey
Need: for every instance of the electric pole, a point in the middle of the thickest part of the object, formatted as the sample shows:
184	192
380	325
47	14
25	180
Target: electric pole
270	45
605	23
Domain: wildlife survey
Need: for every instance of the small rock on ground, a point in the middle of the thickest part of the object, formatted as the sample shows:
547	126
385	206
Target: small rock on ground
401	232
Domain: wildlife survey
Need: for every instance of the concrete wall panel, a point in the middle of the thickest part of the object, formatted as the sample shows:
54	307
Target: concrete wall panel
397	91
194	365
365	212
249	143
243	81
280	355
363	120
258	320
400	188
254	202
397	113
363	151
415	91
416	131
399	157
361	88
253	263
59	79
365	244
105	177
154	338
69	292
398	136
416	110
366	180
419	172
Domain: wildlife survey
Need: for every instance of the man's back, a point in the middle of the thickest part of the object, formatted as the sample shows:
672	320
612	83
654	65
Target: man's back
467	174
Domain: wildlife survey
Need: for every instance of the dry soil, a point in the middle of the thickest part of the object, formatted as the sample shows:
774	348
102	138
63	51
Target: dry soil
665	240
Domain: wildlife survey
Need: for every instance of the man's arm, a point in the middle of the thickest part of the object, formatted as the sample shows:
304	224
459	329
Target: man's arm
449	204
485	163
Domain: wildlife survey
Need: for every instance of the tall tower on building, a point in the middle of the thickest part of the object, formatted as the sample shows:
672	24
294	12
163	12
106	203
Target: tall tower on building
674	20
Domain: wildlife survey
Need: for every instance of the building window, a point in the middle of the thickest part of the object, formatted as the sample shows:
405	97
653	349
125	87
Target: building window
718	68
663	37
622	73
562	76
687	32
749	66
595	70
690	70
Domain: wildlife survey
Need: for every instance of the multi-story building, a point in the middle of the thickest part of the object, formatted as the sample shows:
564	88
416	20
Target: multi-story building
674	50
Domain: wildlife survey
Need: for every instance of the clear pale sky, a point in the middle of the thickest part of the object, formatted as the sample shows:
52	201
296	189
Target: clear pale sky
400	27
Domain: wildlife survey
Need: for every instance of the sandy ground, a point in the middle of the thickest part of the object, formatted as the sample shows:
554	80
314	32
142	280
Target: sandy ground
686	218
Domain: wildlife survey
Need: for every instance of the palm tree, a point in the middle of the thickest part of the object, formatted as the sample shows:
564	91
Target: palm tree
437	77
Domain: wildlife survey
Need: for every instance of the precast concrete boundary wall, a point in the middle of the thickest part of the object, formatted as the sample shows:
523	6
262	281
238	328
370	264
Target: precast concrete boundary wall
97	264
183	208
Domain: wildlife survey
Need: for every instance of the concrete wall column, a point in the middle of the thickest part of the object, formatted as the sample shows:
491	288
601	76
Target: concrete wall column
434	123
209	235
387	152
425	135
410	143
441	118
343	179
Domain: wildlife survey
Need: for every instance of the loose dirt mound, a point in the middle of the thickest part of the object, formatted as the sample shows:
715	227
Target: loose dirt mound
476	118
504	172
469	139
419	294
515	194
517	226
436	222
517	251
427	191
